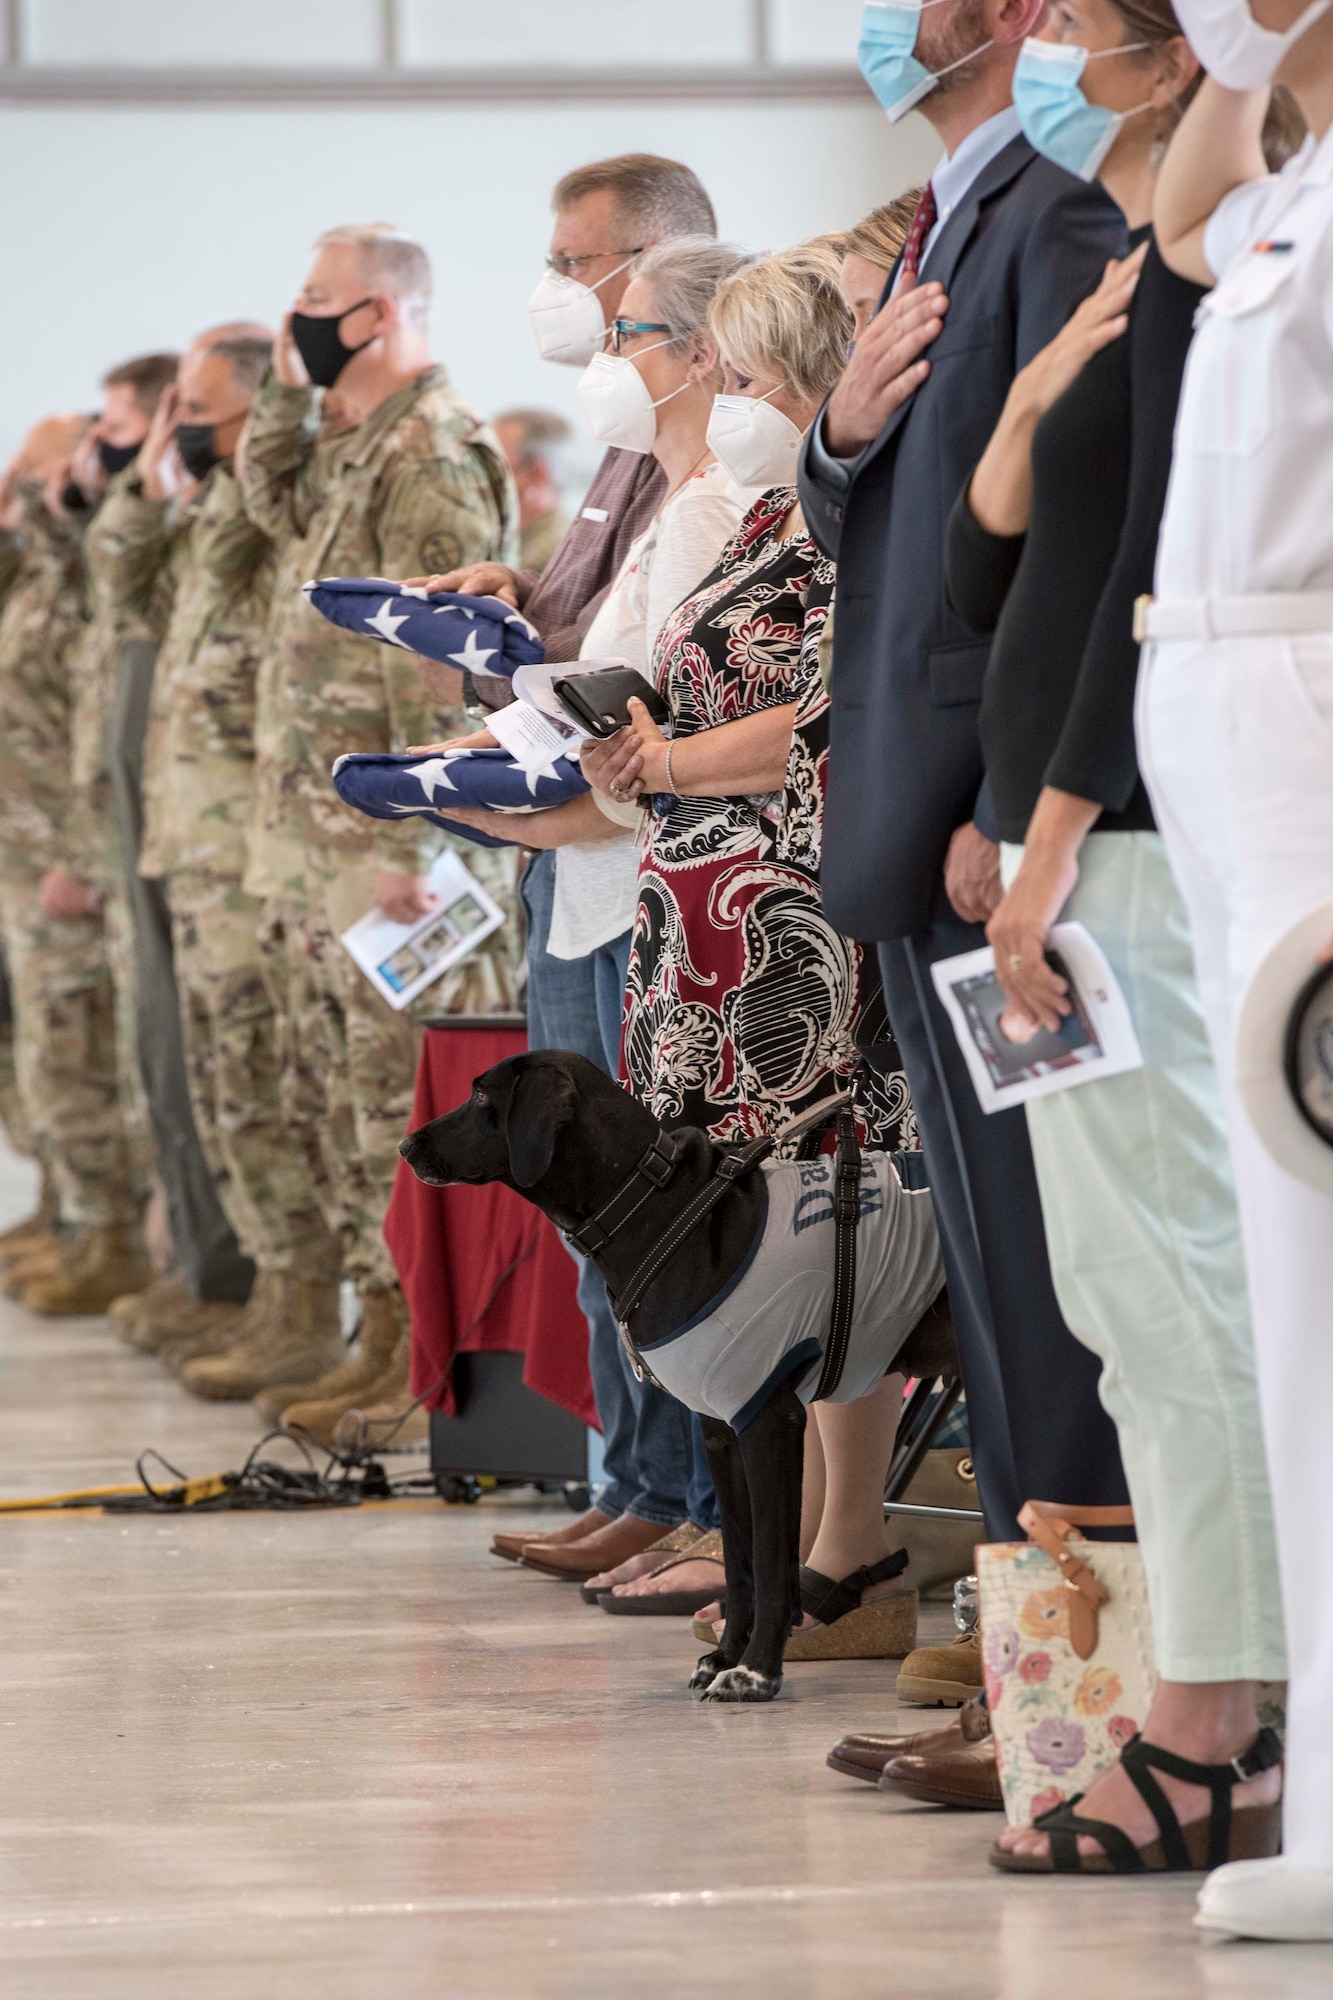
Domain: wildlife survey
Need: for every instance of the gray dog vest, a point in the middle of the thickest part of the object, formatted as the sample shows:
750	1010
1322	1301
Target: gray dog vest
770	1323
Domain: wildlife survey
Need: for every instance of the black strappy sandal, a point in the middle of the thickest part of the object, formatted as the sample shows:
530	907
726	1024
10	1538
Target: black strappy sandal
847	1628
1252	1833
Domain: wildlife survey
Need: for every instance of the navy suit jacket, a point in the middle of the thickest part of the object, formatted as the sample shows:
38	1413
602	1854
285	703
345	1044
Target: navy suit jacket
1019	252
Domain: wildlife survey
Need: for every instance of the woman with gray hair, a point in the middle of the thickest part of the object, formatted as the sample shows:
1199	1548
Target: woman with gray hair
651	391
745	1007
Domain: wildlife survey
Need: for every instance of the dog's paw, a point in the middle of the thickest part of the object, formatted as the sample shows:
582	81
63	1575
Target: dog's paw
707	1671
740	1684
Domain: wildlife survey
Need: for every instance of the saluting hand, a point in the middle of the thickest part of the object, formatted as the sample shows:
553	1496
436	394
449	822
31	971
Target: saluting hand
287	363
885	369
158	445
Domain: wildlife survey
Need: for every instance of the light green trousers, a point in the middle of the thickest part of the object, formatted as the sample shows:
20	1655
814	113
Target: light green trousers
1144	1239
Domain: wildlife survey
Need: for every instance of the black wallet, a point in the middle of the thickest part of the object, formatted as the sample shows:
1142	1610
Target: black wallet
599	703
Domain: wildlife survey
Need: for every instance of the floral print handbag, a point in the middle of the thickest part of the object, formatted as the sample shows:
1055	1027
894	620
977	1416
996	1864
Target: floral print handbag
1067	1650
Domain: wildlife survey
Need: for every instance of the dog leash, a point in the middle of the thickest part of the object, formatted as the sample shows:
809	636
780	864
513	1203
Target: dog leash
731	1168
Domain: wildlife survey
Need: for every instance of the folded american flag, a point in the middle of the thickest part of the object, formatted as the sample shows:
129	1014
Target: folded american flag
482	635
423	787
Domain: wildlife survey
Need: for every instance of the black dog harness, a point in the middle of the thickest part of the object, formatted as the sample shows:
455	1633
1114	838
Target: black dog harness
655	1170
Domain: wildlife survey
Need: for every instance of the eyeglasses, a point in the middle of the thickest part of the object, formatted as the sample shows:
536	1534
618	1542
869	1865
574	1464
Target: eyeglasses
621	330
569	267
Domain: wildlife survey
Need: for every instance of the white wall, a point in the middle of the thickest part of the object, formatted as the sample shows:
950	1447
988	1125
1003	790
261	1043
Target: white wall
129	228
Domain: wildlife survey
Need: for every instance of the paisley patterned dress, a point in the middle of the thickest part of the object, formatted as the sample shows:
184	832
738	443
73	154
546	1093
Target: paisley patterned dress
744	1006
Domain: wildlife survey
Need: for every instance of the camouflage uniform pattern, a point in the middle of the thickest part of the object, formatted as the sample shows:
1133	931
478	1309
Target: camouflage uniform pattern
420	486
65	1014
13	1117
201	576
96	849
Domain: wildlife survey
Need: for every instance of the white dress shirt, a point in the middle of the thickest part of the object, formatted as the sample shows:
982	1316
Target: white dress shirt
1250	506
597	882
952	178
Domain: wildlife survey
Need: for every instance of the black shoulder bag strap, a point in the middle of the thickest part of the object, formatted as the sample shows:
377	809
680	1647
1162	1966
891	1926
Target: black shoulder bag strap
731	1168
846	1215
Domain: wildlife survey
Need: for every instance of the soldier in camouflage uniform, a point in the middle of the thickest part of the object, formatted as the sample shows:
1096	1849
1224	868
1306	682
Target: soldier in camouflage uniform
93	880
392	475
63	999
13	1117
200	576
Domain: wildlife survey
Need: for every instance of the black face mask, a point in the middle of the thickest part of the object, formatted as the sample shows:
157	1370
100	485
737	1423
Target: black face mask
115	457
197	445
321	346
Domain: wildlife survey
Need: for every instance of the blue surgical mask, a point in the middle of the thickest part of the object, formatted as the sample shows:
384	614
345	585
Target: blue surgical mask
1057	118
888	64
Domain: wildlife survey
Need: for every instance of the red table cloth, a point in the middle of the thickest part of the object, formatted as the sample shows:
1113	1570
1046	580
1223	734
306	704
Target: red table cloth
480	1268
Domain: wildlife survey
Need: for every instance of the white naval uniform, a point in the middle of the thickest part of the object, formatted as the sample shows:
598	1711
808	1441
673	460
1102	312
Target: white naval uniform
1235	726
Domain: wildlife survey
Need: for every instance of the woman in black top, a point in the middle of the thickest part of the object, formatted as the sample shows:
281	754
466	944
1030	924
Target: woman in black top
1050	545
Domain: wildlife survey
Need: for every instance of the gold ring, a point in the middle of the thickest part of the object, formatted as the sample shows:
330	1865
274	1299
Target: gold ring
1016	963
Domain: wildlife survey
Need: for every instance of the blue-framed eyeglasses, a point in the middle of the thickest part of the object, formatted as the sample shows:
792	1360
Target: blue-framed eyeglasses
622	329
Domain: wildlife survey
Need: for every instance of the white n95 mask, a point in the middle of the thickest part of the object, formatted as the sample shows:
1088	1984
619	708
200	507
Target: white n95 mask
618	404
1231	45
567	318
754	442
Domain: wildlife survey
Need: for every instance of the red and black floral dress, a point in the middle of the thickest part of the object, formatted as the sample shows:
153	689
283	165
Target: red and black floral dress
744	1006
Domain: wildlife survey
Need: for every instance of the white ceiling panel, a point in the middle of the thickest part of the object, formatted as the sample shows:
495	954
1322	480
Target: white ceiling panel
577	34
170	34
819	36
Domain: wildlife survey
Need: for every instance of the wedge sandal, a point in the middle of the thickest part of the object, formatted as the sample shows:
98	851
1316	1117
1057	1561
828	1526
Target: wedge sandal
670	1603
1249	1833
847	1628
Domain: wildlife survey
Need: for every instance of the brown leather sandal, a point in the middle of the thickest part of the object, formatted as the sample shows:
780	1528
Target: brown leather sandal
670	1603
673	1543
1251	1833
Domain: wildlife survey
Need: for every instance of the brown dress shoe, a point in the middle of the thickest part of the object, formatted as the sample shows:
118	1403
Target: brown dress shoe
866	1756
574	1562
967	1774
511	1547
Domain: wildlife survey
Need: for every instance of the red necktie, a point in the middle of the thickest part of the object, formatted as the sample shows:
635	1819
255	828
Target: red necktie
927	215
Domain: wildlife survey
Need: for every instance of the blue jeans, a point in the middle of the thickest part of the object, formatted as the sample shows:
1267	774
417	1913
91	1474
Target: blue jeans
653	1449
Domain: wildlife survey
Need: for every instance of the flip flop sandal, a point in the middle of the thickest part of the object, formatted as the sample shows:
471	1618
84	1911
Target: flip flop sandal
671	1603
672	1543
847	1628
1251	1833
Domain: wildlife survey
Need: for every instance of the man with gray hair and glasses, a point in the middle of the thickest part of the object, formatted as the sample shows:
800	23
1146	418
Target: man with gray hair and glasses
358	459
606	215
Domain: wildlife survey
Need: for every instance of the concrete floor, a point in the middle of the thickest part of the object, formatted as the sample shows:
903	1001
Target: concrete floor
354	1757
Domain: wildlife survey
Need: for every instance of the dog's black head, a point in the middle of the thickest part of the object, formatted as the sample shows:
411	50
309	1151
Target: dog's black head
513	1124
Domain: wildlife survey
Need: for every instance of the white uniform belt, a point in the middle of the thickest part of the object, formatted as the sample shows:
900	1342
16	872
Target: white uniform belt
1233	617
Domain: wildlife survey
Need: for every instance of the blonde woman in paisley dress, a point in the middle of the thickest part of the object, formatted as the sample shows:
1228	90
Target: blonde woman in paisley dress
745	1007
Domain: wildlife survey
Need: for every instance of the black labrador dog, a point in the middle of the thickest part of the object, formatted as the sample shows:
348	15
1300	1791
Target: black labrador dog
558	1131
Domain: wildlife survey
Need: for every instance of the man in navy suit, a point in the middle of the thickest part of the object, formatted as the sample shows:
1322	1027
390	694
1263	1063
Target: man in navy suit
1004	247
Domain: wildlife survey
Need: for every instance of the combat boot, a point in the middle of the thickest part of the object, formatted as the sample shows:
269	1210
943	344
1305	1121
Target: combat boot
39	1223
381	1334
106	1263
132	1308
40	1256
217	1329
299	1341
169	1312
387	1313
397	1424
